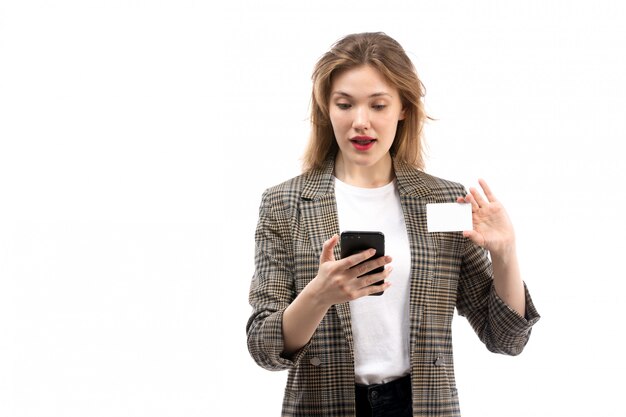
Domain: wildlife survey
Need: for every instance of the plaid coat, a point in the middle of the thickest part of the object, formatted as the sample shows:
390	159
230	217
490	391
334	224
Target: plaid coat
447	271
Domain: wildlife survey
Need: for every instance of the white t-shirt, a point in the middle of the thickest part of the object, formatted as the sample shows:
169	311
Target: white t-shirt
380	324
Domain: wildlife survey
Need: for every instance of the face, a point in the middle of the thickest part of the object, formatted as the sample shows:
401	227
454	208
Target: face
364	112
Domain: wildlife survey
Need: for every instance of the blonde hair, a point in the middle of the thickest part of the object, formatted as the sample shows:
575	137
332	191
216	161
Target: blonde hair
387	56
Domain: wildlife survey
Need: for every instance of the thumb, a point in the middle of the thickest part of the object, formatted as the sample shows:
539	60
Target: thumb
477	238
327	249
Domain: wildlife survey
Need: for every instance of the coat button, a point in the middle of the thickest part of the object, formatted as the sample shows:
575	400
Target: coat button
440	361
315	361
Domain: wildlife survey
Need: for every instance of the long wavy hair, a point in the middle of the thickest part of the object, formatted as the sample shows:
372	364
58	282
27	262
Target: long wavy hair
387	56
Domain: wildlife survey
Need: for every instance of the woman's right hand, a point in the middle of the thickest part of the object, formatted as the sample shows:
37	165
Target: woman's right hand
337	280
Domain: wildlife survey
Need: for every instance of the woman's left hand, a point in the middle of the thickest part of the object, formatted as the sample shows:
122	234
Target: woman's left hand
493	229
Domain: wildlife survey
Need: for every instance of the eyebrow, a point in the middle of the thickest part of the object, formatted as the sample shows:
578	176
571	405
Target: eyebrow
344	94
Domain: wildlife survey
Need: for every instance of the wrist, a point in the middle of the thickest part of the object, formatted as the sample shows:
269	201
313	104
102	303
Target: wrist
311	297
504	251
504	257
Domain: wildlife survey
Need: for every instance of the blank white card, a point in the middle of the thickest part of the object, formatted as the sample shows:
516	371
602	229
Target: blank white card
449	217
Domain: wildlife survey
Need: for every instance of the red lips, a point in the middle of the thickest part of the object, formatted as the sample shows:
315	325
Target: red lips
362	143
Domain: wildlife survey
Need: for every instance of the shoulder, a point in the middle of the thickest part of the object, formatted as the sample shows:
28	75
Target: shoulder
285	195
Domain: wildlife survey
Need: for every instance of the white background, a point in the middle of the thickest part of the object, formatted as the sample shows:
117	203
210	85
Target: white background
136	138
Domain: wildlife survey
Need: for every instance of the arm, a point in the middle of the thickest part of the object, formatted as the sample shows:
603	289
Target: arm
281	324
507	280
493	231
492	295
499	327
272	288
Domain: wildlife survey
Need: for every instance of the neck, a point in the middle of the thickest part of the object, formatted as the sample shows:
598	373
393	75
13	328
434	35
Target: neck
372	176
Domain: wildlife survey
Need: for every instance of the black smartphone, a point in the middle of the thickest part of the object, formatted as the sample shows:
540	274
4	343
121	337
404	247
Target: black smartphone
357	241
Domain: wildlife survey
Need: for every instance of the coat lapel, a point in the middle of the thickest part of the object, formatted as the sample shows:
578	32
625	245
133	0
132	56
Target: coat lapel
414	194
318	207
319	217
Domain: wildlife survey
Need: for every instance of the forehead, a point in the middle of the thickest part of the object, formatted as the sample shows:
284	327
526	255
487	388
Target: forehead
361	81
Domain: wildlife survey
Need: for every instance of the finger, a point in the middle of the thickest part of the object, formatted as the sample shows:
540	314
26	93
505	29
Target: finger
477	196
327	249
474	237
375	283
487	190
355	259
373	289
372	279
363	268
469	198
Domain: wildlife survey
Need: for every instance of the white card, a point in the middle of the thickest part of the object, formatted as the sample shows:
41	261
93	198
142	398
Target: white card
449	217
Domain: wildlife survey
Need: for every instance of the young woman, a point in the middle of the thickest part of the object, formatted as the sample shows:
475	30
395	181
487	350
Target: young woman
349	353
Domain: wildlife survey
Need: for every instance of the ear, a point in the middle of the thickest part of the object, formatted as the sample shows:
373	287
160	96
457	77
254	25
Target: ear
402	115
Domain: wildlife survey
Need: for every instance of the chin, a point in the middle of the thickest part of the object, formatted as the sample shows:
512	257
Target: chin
368	160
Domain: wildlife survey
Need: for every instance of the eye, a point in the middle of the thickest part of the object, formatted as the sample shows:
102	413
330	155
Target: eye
344	106
379	107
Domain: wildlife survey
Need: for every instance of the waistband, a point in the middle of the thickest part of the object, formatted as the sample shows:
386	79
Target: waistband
376	394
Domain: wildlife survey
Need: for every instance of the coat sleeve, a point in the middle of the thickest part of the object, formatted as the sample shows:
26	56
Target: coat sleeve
272	288
497	325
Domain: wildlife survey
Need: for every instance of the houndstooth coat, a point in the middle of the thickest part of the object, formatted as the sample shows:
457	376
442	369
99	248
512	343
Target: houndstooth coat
447	271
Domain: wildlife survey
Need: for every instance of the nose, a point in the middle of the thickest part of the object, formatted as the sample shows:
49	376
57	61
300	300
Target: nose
361	118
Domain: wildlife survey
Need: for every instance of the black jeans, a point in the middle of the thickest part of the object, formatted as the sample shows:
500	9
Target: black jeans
385	400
